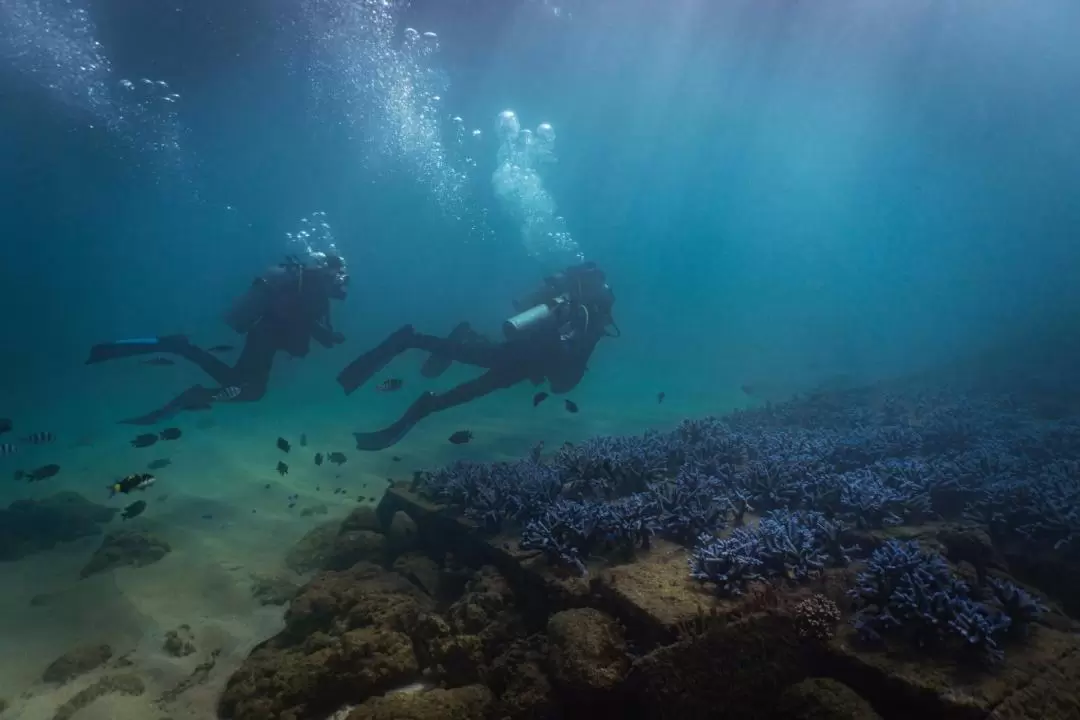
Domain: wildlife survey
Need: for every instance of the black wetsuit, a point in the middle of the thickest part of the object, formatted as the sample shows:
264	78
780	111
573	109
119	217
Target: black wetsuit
295	308
558	354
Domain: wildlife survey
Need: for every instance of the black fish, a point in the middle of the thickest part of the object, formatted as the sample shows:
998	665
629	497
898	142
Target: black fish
139	481
282	468
133	510
318	458
159	463
39	438
396	458
337	458
461	437
283	445
144	440
170	433
5	425
660	398
158	362
389	385
571	406
43	472
220	349
536	451
303	440
539	398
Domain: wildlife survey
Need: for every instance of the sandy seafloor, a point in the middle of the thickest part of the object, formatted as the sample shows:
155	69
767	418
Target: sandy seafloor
221	468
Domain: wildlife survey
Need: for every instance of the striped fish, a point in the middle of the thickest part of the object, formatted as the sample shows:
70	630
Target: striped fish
8	449
39	438
227	393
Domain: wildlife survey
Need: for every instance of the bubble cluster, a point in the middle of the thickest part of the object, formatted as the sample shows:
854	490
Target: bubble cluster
520	187
54	42
314	240
392	90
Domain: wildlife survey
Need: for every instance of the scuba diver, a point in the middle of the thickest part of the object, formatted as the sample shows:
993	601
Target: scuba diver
551	338
282	311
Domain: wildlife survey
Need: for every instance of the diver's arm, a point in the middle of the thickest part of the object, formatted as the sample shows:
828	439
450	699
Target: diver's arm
326	335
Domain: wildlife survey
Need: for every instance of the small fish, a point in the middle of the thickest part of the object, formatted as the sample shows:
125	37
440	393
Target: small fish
207	516
337	458
227	393
159	463
318	459
39	438
8	449
221	349
138	481
660	397
537	449
461	437
389	385
571	406
144	440
282	468
396	458
303	439
206	423
170	433
158	362
539	398
5	425
133	510
748	389
43	472
283	445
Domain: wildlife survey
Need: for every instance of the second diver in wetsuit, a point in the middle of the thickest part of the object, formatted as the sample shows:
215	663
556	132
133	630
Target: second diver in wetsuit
281	311
551	338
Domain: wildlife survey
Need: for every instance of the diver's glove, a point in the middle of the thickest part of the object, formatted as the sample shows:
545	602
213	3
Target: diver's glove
337	338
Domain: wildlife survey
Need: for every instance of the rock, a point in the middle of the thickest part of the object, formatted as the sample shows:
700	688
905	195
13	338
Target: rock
518	680
136	548
464	703
740	666
179	642
30	526
402	536
353	546
311	551
588	651
273	589
969	544
421	570
126	684
824	699
77	662
344	641
362	518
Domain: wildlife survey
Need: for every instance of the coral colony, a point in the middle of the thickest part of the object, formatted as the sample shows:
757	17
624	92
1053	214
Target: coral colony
810	473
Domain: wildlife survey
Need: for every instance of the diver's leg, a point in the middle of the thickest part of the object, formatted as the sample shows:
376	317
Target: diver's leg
251	374
195	397
169	344
360	370
439	362
428	403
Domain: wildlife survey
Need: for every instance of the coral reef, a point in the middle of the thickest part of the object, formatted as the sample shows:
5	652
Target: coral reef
120	548
125	684
76	662
273	589
30	526
824	699
715	566
179	642
465	703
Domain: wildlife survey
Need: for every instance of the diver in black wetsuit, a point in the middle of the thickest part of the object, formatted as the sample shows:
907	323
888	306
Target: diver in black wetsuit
552	337
281	311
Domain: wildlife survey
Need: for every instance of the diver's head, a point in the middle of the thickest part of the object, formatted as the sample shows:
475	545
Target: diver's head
329	271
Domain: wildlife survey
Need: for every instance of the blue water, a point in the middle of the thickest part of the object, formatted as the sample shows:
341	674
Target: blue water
784	195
